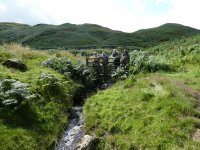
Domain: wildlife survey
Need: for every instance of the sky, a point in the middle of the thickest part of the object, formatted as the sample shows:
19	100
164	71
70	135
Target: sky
123	15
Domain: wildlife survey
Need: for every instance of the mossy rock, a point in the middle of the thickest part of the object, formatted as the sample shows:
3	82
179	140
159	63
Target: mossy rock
16	64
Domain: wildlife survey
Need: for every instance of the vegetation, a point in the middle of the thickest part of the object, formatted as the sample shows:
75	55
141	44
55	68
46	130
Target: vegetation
68	36
34	104
87	78
153	104
156	107
79	73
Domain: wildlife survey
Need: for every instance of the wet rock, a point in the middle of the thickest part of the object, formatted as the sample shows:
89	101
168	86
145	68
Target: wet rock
14	63
74	132
87	143
104	86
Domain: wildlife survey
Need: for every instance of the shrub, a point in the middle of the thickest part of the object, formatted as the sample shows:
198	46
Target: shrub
51	89
61	65
121	73
79	73
15	103
143	62
13	93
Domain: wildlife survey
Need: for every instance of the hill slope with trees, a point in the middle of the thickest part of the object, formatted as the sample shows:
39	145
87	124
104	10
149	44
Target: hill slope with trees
45	36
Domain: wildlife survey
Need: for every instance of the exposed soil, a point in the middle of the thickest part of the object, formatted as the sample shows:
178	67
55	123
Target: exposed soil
191	91
196	95
196	135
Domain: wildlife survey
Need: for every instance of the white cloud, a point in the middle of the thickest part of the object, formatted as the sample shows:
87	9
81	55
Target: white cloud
2	8
128	15
185	12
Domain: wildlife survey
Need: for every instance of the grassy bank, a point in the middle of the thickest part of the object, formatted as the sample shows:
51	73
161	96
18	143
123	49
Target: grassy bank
155	108
34	104
149	112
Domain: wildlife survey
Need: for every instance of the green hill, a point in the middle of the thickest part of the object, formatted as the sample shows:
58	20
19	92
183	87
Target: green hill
68	35
155	107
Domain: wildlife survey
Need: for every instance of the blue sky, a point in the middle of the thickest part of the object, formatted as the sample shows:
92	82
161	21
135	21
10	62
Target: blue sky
157	7
124	15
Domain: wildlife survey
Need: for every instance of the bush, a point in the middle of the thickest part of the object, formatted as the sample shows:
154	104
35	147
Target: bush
79	73
13	93
61	65
121	73
51	89
15	103
143	62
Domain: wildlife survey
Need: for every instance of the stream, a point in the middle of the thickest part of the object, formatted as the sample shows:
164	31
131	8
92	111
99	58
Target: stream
74	131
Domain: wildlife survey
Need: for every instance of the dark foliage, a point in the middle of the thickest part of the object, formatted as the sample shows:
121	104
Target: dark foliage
87	77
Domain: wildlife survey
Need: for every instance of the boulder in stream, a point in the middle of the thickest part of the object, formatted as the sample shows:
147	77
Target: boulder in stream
87	143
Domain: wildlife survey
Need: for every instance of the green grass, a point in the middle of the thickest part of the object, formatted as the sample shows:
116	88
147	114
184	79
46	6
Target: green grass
184	54
38	123
147	112
150	110
17	138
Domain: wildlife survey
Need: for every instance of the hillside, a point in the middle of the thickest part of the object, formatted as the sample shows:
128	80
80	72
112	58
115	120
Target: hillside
34	104
154	103
157	107
44	36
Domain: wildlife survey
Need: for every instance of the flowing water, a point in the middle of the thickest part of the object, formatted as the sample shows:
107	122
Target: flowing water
74	132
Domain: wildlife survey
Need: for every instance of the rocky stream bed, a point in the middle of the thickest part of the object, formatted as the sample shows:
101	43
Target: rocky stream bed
74	131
